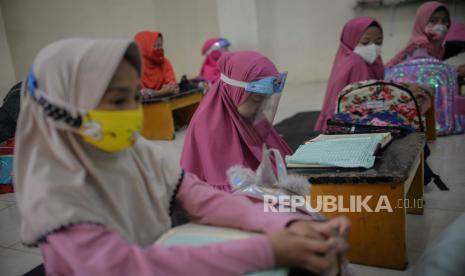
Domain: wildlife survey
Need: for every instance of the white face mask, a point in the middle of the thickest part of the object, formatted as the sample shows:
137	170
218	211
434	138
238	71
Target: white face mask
436	31
369	53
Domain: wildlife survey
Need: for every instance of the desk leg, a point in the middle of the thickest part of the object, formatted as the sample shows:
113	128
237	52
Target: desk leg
183	115
158	122
430	118
376	238
415	193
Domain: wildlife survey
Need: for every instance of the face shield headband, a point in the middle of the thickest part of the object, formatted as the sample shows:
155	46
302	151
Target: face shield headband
262	103
268	85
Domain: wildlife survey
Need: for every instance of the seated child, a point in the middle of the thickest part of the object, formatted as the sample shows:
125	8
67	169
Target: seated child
429	31
95	197
158	77
212	50
234	119
357	59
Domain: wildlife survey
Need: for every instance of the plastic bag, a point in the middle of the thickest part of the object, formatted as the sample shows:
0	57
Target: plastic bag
264	181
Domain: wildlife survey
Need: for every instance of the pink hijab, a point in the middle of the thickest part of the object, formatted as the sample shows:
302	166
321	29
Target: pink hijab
419	38
218	137
209	69
348	67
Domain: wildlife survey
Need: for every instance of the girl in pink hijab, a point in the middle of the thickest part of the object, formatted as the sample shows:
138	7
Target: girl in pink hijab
95	198
212	50
357	59
220	134
432	22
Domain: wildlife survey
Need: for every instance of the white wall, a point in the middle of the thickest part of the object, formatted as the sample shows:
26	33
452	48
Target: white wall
238	22
186	25
32	24
7	74
301	36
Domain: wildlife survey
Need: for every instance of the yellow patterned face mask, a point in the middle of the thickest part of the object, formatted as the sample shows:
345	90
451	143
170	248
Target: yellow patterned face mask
112	131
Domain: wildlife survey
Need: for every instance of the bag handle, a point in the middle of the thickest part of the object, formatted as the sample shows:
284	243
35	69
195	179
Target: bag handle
280	165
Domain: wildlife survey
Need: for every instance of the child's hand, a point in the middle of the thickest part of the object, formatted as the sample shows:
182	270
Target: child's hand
171	88
340	225
338	228
313	254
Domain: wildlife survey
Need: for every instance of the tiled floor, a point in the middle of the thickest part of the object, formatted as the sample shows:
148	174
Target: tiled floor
447	159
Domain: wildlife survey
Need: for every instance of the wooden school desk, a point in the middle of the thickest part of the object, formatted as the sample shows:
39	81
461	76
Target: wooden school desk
160	114
376	238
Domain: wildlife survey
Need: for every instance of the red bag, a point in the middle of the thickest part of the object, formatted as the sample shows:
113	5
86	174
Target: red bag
6	166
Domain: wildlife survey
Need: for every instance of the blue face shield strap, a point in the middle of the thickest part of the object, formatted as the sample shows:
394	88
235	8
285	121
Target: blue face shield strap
31	83
268	85
50	109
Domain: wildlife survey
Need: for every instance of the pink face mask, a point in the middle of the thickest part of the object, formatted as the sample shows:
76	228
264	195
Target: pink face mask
436	31
217	54
158	55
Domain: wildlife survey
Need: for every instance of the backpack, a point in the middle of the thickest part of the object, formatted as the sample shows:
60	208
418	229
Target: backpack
380	106
9	112
442	78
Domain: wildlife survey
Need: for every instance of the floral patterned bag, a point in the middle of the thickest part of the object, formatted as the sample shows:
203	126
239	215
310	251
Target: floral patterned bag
380	106
380	103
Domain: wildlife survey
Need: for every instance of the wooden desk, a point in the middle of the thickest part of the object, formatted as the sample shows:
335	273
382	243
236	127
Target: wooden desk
377	238
160	114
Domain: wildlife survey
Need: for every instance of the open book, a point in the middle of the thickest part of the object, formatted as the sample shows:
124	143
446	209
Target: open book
344	151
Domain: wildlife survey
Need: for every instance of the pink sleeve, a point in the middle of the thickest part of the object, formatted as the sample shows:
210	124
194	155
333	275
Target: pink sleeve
207	205
93	250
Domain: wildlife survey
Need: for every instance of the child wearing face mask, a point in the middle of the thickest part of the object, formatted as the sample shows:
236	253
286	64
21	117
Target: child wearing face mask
432	22
212	50
95	198
357	59
158	77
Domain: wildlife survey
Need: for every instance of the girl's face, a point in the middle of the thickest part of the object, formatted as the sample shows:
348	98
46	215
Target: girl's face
249	108
373	34
440	16
122	92
158	42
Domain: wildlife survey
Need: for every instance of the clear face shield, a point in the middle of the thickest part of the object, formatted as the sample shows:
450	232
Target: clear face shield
260	107
222	43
